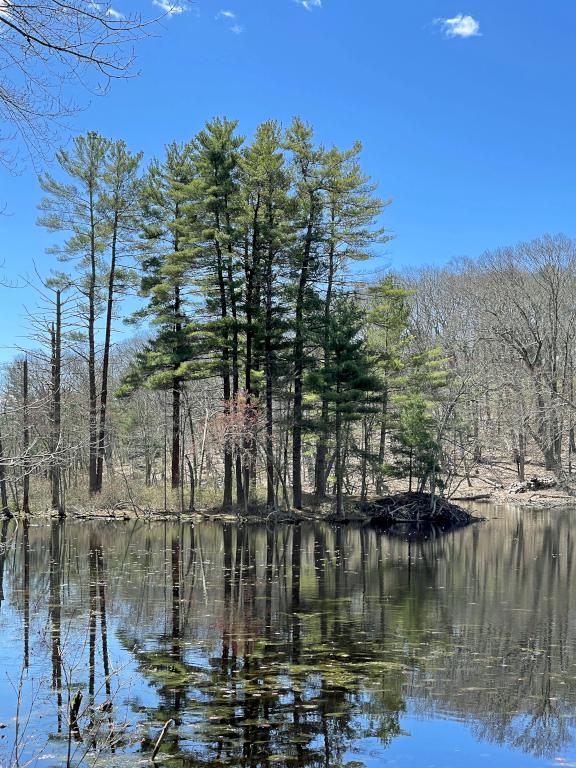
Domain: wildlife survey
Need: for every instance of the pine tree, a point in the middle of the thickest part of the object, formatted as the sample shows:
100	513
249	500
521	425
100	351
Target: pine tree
163	364
267	214
414	447
388	336
346	382
118	205
72	206
307	165
212	233
350	213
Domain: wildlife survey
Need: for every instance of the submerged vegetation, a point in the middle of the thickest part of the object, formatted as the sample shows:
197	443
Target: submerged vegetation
303	645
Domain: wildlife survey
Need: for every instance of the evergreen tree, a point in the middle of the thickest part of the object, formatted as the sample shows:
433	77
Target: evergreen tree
164	363
346	383
307	165
118	205
350	212
414	447
213	233
267	215
72	206
388	336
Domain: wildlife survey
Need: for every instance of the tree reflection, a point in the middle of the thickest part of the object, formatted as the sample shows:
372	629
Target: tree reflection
289	646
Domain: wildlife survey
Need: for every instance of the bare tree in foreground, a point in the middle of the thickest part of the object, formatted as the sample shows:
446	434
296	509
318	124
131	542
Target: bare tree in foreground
49	48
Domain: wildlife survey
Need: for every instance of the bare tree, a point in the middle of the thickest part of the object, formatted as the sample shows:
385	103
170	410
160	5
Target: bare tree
46	49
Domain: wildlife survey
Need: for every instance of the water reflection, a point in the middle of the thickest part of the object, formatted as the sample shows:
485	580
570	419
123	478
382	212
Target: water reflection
308	645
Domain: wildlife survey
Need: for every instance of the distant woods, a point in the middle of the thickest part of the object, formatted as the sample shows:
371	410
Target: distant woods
266	372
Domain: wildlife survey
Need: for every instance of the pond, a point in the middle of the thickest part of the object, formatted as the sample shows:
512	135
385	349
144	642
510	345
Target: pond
309	645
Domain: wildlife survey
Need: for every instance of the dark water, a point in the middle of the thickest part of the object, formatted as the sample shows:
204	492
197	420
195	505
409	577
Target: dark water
307	646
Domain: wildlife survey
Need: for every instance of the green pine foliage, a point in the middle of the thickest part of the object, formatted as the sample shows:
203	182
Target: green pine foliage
244	253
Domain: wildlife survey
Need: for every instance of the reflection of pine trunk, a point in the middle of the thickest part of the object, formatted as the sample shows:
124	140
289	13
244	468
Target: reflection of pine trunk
176	623
295	607
340	585
55	612
103	620
320	567
92	608
268	585
296	634
26	590
26	441
3	538
227	543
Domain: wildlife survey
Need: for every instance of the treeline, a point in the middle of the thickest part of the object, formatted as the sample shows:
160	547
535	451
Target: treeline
267	372
507	323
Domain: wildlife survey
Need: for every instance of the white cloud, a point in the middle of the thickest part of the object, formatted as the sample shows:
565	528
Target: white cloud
460	26
114	14
309	4
169	8
230	17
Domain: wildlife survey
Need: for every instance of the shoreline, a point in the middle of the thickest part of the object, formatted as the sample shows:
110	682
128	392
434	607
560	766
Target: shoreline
533	501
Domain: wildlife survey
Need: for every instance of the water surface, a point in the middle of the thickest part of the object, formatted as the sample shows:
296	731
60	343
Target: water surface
307	646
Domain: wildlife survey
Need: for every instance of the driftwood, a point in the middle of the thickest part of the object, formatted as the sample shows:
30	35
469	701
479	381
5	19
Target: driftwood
163	732
534	484
415	508
74	713
476	497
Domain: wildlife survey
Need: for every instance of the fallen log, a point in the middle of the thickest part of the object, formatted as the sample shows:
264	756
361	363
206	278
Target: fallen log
535	483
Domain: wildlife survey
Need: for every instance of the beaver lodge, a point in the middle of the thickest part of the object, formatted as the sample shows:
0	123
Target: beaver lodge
414	508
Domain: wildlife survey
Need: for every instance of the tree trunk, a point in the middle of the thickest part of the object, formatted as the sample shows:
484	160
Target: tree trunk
320	474
56	408
251	269
26	441
268	368
227	491
338	468
106	359
382	442
175	449
365	451
299	367
93	397
3	489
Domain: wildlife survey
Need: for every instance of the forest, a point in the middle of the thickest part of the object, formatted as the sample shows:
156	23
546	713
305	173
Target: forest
217	337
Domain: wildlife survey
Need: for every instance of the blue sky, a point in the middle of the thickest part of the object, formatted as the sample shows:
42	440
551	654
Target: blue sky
465	109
